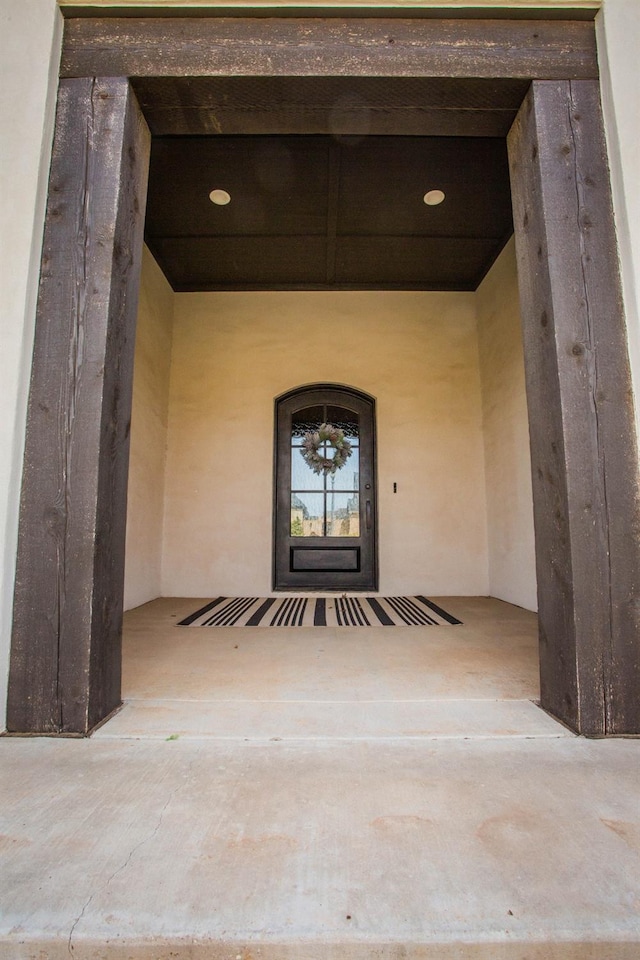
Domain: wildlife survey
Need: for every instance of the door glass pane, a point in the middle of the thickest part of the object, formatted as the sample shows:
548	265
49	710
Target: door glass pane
302	476
343	515
346	420
304	420
348	476
307	514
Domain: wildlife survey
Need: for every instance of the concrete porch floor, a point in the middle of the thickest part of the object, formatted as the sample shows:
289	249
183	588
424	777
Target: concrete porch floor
285	795
479	678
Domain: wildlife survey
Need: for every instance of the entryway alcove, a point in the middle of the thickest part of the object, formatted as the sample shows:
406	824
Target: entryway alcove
426	355
66	668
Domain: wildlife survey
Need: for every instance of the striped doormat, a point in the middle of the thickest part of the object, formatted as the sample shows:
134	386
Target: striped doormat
319	612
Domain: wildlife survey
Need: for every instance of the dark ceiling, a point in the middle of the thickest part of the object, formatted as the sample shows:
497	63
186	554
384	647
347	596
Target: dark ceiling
327	179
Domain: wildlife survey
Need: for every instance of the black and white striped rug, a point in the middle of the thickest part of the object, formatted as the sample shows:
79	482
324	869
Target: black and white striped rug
319	612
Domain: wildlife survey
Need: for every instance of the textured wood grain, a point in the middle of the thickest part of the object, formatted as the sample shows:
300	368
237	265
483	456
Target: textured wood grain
163	47
584	454
65	661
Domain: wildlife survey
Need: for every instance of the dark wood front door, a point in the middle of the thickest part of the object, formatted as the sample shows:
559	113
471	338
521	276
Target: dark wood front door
325	519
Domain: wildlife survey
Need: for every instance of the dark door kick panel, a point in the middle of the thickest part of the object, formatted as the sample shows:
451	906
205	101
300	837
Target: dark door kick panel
325	558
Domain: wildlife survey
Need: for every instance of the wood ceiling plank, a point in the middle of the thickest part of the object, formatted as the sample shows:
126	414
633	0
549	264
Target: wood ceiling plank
443	261
360	197
149	46
425	106
277	186
288	121
295	263
392	93
206	263
333	201
384	180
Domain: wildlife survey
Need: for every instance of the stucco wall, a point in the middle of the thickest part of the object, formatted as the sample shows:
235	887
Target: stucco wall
511	544
233	353
145	500
618	32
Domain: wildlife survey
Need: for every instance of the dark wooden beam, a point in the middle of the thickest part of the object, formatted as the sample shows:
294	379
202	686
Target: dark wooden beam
162	47
65	658
583	440
70	8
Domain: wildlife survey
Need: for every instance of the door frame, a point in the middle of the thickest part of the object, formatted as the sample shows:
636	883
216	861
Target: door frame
66	646
279	508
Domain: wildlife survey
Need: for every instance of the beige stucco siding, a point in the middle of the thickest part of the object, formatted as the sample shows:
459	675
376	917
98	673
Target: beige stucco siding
511	543
443	440
234	353
150	411
618	32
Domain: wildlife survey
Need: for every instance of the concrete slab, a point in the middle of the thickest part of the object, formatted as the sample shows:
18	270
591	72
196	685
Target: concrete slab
334	795
493	655
325	719
320	850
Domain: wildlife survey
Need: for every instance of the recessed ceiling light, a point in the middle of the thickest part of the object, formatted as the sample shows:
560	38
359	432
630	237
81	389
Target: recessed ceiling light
433	197
221	197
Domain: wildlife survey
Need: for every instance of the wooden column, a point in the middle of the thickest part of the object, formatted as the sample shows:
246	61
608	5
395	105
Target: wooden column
66	650
583	441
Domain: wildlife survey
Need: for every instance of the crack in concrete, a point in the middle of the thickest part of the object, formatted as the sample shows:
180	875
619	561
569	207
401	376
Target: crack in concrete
127	861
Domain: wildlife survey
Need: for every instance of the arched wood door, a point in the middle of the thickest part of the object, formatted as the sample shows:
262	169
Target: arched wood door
325	523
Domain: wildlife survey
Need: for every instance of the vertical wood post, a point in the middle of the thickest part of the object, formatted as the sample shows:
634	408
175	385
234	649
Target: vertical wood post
583	441
66	650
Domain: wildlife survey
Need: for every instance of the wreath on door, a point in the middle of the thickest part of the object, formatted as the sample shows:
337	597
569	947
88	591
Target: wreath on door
315	459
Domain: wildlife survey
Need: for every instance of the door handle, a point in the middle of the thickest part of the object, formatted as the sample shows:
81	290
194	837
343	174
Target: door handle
367	511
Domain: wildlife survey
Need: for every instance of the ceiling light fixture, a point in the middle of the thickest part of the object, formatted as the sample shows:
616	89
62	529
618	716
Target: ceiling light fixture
220	197
433	198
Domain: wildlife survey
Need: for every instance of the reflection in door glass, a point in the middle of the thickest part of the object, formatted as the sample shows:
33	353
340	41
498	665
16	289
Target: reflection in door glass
307	514
347	478
343	515
302	476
